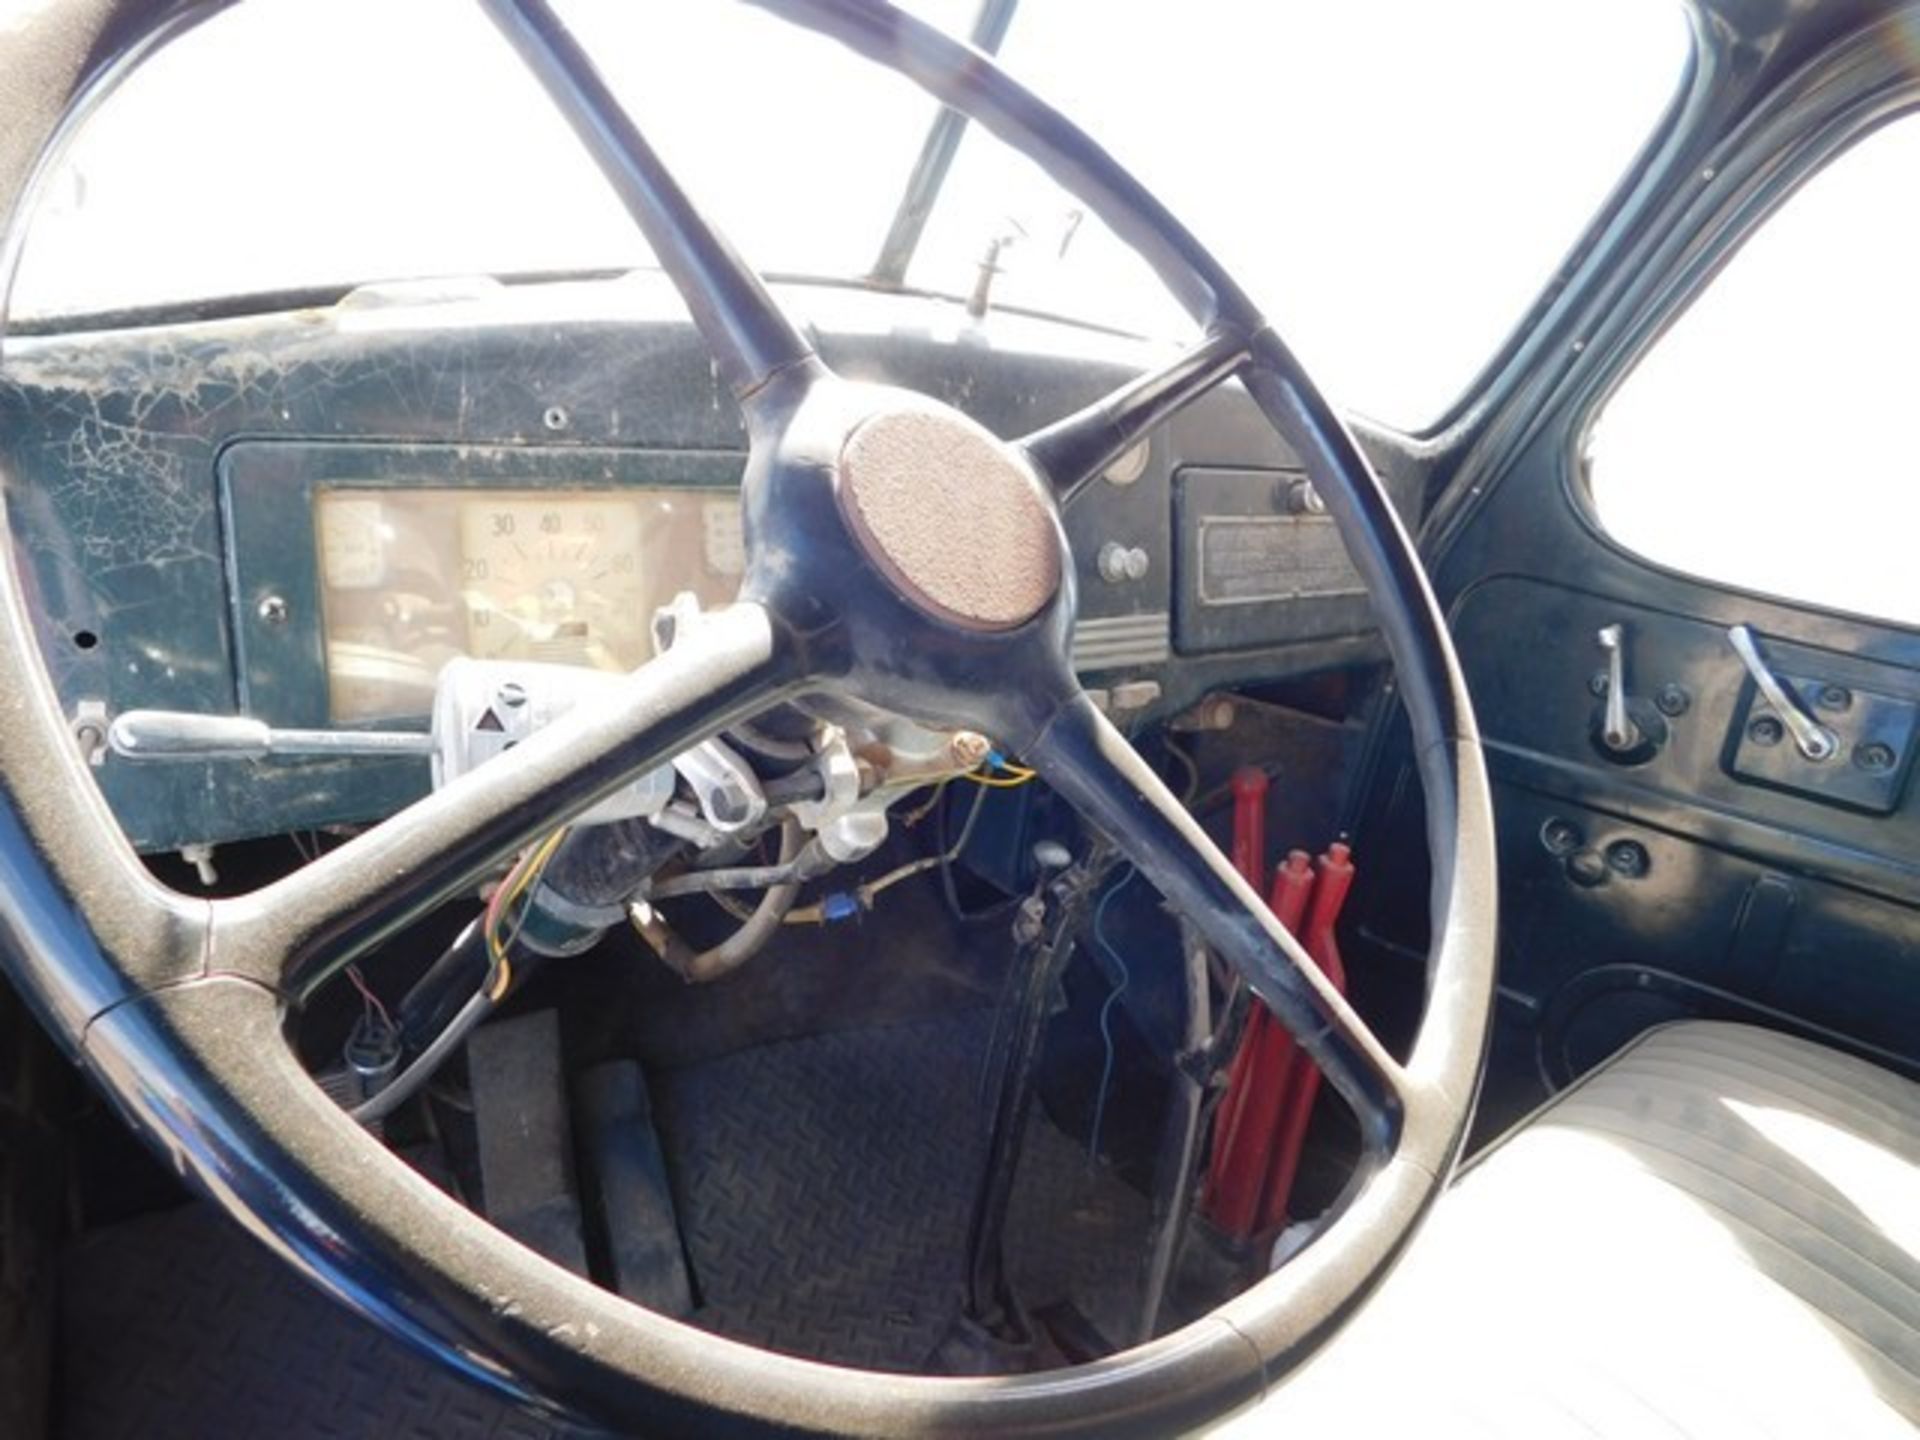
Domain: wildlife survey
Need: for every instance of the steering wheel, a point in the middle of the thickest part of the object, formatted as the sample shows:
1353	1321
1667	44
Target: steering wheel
897	552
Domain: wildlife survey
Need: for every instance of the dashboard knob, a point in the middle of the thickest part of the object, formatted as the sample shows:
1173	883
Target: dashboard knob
1120	563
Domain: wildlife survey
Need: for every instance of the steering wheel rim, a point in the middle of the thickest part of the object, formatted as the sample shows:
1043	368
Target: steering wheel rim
176	1004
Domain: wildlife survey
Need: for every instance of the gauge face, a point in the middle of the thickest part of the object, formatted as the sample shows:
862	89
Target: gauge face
411	576
556	577
353	542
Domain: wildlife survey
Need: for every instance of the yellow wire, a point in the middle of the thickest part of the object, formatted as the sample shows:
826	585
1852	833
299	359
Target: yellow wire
518	881
504	970
998	782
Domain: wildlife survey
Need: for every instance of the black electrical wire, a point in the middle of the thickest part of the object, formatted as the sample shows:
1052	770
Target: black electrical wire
407	1083
951	850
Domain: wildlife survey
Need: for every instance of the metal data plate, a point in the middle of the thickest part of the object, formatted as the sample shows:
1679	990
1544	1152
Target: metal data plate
1247	559
1857	777
1251	570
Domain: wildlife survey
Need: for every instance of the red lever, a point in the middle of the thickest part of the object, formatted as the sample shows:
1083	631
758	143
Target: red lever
1250	824
1231	1186
1253	1107
1302	1083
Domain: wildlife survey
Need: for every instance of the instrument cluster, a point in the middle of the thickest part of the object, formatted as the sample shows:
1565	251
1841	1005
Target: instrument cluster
412	578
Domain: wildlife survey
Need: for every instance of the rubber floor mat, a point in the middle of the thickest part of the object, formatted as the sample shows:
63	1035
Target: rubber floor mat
823	1187
179	1326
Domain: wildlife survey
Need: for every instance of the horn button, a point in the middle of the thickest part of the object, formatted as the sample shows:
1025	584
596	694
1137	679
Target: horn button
956	521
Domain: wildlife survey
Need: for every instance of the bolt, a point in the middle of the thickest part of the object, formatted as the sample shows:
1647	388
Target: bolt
1628	858
1587	869
200	857
729	804
512	694
274	610
1303	499
1765	730
1672	700
1874	756
967	748
1833	697
1560	836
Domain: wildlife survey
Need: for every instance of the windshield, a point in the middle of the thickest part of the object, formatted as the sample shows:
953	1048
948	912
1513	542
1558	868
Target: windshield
1393	183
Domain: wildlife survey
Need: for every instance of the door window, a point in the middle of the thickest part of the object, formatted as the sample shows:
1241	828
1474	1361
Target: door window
1767	441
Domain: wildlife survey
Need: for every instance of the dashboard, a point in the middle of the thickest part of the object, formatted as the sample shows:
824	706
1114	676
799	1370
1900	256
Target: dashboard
302	515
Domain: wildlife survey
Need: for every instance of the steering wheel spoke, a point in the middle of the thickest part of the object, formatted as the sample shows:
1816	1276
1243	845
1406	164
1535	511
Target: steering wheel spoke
750	337
1072	451
293	933
1089	762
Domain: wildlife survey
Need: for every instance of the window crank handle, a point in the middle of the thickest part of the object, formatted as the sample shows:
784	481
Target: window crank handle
1618	732
1810	737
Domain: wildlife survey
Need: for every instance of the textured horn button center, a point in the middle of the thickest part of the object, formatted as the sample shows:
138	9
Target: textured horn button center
955	522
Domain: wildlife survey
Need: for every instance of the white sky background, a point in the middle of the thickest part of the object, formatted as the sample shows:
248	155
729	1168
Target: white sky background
1393	181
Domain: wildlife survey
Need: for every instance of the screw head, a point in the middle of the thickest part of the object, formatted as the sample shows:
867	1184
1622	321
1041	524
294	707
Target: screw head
1597	683
555	418
512	694
1766	730
1628	858
1833	697
1875	756
1561	836
274	610
1672	700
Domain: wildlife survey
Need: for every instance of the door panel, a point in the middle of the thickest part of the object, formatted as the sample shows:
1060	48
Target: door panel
1702	878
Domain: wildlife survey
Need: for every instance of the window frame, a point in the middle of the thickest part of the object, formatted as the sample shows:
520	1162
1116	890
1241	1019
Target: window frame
1792	136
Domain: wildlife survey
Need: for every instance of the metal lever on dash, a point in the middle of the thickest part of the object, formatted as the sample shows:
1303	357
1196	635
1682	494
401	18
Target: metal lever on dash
182	735
1810	737
1617	729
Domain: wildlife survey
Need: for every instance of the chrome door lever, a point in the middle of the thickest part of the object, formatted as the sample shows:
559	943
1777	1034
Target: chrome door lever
1813	740
1618	732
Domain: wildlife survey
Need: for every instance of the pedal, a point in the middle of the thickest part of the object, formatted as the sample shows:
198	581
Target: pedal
520	1121
629	1182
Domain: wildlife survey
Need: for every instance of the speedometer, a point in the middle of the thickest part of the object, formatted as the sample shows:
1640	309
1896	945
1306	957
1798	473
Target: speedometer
556	578
412	575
